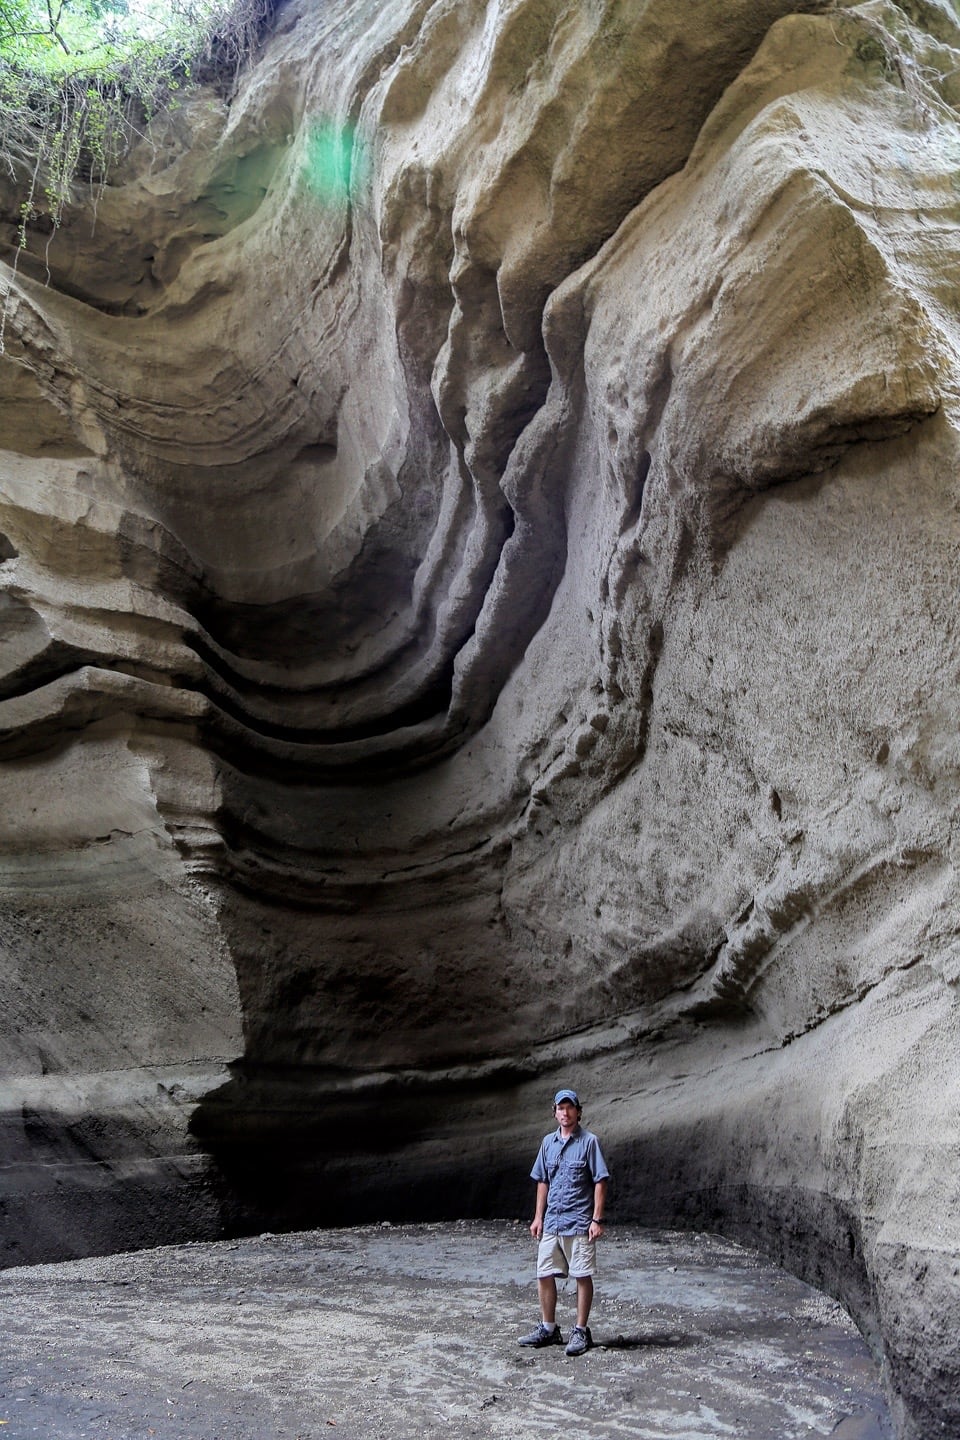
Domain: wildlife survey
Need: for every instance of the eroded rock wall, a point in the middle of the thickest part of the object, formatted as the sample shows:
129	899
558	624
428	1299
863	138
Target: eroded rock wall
480	530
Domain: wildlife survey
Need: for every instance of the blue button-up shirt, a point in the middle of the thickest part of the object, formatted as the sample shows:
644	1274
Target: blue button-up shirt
570	1168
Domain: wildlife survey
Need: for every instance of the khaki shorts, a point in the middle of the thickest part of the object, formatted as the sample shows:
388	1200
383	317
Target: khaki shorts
563	1255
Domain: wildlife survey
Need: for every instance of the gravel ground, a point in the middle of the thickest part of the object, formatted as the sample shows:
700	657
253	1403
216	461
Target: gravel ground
409	1333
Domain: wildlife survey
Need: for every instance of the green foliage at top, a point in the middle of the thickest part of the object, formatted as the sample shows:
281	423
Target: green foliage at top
58	35
74	74
61	37
80	79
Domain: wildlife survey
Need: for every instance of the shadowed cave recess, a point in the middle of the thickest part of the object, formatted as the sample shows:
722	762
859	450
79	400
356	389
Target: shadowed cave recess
478	568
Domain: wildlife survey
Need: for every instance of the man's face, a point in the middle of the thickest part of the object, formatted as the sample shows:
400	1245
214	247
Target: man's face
566	1113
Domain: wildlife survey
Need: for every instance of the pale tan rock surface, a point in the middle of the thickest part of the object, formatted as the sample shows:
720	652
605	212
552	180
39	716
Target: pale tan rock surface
480	525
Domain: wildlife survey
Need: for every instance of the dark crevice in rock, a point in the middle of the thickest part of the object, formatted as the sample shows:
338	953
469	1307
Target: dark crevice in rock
60	661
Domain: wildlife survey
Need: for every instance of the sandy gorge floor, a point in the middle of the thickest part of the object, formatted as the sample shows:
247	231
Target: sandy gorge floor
410	1331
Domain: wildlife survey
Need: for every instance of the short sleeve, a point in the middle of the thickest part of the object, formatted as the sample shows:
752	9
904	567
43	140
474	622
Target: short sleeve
539	1171
596	1162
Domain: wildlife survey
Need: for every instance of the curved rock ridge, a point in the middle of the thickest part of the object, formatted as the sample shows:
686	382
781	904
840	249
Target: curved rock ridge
478	548
375	409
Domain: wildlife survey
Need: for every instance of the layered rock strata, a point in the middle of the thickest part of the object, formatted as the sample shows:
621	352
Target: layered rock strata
479	540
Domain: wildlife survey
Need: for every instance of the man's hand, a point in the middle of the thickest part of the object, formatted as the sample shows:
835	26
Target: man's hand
536	1227
596	1230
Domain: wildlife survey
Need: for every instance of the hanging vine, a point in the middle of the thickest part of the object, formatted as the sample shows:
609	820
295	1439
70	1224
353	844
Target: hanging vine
81	79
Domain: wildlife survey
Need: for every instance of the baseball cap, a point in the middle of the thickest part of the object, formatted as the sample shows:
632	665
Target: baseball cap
567	1095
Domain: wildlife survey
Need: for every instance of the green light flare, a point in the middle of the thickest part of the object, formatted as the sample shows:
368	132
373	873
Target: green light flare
335	161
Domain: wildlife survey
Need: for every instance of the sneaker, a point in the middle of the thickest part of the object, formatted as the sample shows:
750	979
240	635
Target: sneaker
580	1340
543	1335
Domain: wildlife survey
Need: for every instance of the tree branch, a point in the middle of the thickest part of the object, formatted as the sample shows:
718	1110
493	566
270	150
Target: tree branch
54	31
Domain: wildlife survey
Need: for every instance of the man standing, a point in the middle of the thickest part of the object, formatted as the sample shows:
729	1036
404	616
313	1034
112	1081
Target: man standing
571	1177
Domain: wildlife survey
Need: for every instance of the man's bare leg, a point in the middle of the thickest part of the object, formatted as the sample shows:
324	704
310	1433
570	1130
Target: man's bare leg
584	1299
547	1287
